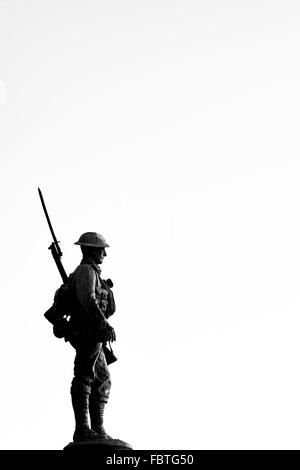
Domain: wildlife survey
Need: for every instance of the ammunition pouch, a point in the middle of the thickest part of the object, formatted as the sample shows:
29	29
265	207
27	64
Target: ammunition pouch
107	298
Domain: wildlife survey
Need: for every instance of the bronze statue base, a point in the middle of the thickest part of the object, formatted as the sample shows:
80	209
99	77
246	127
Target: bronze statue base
104	445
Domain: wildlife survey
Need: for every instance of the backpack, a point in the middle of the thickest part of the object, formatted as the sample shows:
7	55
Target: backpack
61	310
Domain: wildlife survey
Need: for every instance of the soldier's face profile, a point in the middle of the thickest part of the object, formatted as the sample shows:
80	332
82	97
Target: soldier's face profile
100	253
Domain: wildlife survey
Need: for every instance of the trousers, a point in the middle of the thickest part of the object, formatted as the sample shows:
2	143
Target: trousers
90	368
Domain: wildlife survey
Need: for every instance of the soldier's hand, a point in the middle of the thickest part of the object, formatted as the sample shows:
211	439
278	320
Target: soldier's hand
110	333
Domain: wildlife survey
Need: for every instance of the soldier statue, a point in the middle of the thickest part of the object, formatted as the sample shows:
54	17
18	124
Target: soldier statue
80	312
90	331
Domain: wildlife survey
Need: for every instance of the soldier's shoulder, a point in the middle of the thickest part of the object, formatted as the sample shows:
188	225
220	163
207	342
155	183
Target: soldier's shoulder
83	269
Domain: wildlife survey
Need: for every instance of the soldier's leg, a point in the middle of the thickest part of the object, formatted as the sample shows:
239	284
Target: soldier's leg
100	390
84	375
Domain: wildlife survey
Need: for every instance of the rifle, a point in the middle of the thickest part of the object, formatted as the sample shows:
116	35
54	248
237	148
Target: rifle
60	309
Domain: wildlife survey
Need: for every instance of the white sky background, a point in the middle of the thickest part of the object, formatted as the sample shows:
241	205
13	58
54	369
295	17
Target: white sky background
172	128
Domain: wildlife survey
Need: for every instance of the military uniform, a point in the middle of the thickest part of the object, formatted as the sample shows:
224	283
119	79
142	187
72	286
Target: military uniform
91	383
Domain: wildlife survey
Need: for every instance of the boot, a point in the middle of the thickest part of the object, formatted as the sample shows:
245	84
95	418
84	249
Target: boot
96	414
80	400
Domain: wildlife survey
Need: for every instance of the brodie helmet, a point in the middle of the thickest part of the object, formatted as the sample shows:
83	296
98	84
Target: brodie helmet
92	239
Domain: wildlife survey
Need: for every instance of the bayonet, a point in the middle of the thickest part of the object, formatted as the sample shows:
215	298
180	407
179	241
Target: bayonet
54	247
